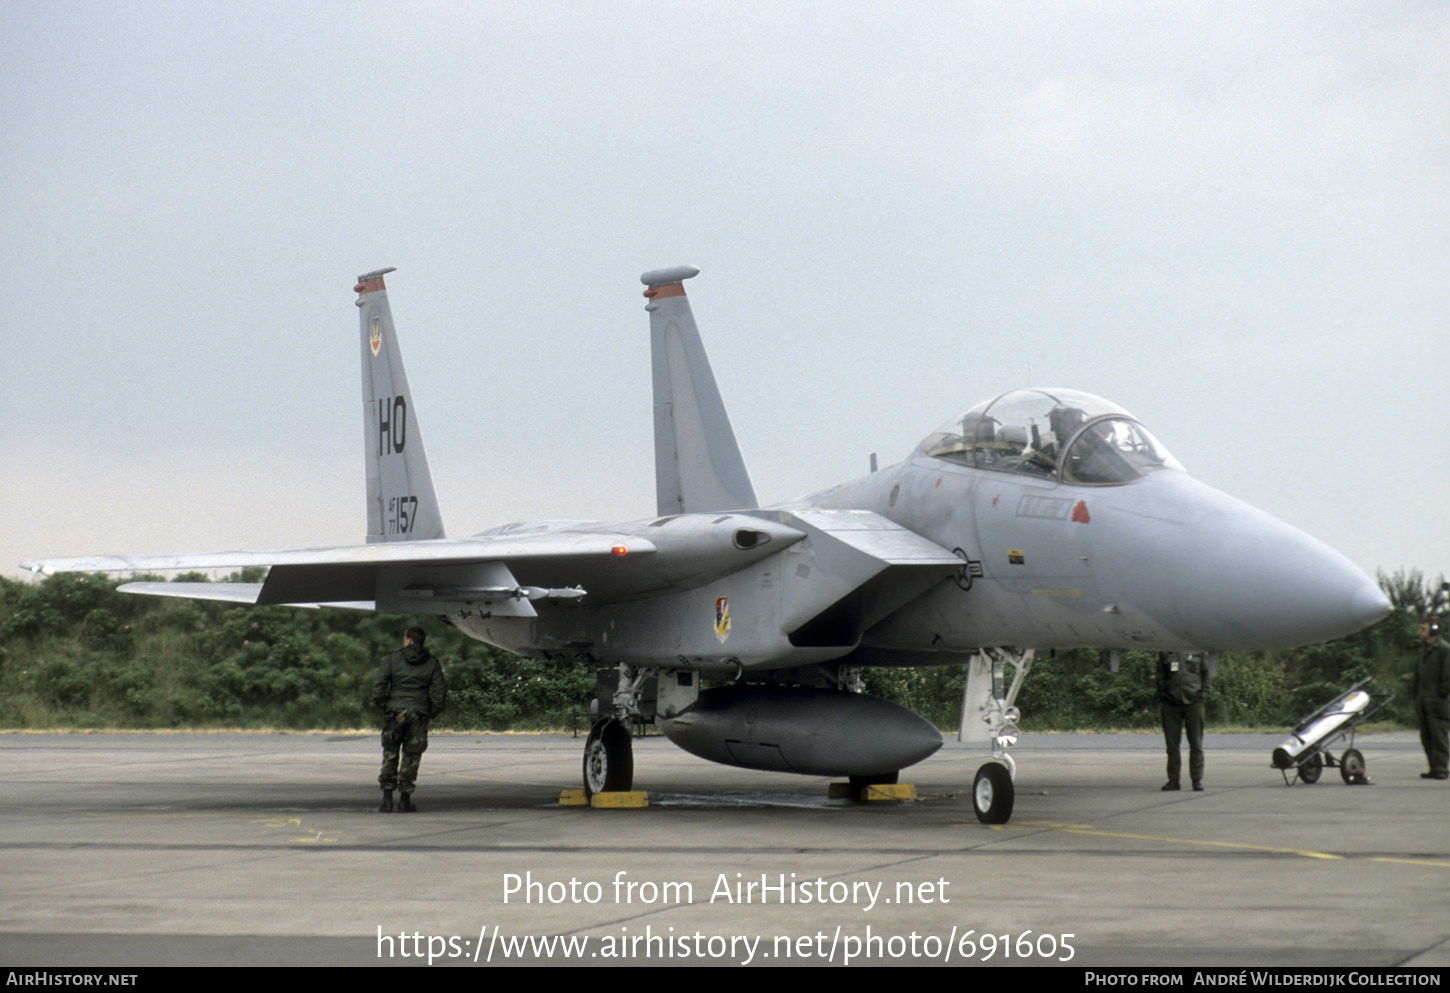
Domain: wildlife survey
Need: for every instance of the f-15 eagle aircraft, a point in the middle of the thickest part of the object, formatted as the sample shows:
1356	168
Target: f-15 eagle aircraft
1039	519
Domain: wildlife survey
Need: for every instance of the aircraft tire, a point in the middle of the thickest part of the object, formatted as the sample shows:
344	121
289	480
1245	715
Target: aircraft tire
1310	768
993	794
1351	767
608	758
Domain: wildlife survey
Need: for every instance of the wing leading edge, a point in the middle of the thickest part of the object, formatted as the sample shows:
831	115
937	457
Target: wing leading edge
381	574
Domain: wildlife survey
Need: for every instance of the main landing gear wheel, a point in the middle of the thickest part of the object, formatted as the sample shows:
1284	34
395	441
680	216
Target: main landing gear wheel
608	758
1351	768
1310	768
993	793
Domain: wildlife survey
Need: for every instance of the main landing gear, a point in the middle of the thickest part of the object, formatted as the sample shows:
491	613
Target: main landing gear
989	716
609	752
608	758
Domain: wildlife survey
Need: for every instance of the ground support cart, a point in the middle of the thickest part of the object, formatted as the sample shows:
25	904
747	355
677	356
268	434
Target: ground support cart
1306	751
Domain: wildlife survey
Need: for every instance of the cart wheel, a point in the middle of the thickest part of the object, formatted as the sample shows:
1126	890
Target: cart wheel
1310	768
1351	767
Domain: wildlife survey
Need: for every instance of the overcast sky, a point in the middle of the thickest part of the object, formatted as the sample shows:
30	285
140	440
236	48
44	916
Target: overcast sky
1232	219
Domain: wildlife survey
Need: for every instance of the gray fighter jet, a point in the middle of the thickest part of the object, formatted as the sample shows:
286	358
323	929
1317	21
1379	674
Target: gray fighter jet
1039	519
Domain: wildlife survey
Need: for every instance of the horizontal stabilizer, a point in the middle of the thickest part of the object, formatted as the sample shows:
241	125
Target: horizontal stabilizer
225	593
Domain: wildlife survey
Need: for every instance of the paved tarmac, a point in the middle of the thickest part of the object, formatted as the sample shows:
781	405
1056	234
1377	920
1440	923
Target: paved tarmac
266	849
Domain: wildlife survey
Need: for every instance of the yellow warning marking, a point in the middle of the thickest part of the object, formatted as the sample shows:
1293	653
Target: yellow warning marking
313	837
1301	852
320	838
1072	829
1386	858
274	822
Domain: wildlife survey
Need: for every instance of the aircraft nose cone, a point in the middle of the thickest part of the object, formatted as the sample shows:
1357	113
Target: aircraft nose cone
1225	576
1369	605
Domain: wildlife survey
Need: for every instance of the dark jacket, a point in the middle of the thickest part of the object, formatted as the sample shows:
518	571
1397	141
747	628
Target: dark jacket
1432	670
1185	686
411	679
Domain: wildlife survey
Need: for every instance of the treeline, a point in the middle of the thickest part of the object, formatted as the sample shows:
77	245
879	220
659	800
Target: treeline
74	653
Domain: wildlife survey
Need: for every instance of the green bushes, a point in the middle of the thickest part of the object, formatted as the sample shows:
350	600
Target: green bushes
1078	691
498	691
75	653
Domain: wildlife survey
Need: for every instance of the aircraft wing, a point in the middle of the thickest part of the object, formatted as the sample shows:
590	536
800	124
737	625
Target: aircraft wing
431	576
501	571
442	551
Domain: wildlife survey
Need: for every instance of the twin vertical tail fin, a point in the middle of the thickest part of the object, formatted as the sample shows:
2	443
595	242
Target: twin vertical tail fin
401	504
698	468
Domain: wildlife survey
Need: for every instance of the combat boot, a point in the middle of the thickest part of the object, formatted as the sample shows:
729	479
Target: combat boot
405	805
387	804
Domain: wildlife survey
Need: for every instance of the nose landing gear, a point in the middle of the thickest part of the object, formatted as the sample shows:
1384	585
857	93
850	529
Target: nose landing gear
989	716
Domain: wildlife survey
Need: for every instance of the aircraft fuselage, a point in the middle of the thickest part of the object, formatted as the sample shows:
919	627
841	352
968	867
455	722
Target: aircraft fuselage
1162	563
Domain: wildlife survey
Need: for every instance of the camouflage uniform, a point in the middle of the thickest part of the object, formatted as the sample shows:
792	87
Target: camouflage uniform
411	690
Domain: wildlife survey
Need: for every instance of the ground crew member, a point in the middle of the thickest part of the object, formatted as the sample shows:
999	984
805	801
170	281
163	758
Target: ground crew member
1432	698
411	691
1182	690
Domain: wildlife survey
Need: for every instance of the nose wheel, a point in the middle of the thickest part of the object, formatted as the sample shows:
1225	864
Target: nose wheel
608	758
993	794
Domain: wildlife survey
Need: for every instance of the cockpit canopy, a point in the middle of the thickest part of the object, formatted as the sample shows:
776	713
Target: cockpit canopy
1064	435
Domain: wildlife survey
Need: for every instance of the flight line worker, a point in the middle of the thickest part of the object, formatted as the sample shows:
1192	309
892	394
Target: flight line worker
1432	698
1182	690
411	690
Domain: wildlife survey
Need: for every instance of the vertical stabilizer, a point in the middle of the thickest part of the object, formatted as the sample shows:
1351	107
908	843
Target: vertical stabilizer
698	468
401	504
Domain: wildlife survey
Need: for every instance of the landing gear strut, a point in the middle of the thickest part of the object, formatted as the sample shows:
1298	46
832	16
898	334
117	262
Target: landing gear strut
989	716
609	752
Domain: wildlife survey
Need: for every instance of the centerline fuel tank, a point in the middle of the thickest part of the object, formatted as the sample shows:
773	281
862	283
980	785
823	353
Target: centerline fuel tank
815	732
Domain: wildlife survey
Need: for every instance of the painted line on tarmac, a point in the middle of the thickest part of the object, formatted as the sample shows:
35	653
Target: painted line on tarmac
1242	846
316	837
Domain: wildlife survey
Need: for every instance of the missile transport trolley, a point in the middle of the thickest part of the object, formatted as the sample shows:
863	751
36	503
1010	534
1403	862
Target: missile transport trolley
1305	753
